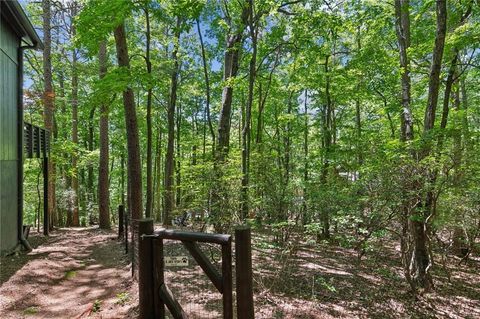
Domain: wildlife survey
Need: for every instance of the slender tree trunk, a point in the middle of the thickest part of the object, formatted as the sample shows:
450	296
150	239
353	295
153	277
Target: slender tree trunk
459	245
49	102
169	156
75	208
417	258
402	12
422	260
402	25
90	187
435	69
133	143
248	114
122	178
207	87
103	175
358	117
230	70
149	203
326	144
158	177
178	197
305	218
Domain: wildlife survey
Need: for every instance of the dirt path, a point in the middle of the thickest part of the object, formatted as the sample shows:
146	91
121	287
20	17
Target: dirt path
75	273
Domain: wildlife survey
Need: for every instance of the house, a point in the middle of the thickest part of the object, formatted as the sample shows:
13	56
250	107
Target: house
16	35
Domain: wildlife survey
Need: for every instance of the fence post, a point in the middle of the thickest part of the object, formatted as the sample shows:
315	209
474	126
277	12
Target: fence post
145	270
243	262
159	277
46	218
227	280
126	222
121	212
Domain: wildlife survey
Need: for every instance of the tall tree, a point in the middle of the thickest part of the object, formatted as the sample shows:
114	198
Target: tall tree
253	28
103	174
75	213
149	202
207	86
49	100
230	68
169	197
134	167
417	258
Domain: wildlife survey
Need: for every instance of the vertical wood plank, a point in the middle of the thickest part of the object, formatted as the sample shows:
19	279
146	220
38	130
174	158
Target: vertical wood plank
243	268
227	280
159	277
46	222
145	270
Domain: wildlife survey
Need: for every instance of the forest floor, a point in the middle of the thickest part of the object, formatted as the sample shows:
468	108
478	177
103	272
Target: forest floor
84	273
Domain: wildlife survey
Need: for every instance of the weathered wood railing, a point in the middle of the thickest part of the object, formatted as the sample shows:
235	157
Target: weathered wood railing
154	293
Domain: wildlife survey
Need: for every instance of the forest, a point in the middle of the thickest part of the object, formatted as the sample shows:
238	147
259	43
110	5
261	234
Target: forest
345	133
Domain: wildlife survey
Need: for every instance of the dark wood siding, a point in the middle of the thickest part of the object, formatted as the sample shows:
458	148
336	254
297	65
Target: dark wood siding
9	44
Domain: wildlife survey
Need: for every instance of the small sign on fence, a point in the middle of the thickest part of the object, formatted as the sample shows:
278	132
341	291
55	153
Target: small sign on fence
176	261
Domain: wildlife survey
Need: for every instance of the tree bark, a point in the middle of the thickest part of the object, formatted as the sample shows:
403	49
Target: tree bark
434	82
149	202
170	156
248	114
402	12
49	101
103	187
207	88
230	70
327	131
90	187
305	218
158	177
417	211
133	144
75	210
178	197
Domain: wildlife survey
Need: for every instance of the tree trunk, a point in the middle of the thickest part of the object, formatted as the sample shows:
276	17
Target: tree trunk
178	197
417	211
230	70
305	218
207	88
248	114
103	189
403	35
75	210
358	117
90	187
133	144
158	177
327	131
169	156
435	69
49	102
149	202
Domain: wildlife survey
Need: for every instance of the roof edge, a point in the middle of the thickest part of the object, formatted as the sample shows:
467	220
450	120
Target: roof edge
21	17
